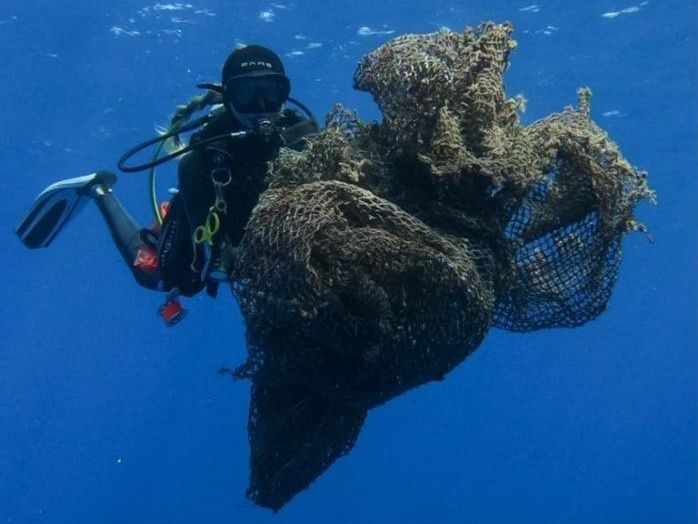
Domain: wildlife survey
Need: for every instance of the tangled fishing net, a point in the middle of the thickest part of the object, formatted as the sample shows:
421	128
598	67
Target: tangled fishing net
381	255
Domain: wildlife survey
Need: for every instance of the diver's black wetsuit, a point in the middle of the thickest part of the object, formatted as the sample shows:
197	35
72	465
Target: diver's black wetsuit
241	164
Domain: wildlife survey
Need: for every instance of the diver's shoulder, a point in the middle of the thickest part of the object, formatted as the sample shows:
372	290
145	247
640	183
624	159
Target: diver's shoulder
297	129
220	124
290	116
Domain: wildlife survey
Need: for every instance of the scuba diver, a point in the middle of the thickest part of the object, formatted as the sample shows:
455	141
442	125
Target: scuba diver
221	175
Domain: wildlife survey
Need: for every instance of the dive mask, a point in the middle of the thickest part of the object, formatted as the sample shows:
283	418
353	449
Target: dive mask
257	94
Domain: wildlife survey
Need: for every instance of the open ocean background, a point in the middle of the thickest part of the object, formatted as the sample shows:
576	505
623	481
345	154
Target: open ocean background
106	416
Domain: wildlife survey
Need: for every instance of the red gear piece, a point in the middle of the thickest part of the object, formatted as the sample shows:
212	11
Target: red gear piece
147	258
172	311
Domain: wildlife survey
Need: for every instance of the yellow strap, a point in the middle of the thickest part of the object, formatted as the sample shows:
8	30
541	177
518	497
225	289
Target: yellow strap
206	232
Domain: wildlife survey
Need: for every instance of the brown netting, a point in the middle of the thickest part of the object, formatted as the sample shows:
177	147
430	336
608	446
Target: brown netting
567	228
380	256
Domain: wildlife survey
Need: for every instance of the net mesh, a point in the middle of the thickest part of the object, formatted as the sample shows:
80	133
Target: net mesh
380	256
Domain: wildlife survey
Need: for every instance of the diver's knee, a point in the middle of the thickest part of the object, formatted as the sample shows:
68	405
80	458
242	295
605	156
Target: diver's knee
99	191
148	280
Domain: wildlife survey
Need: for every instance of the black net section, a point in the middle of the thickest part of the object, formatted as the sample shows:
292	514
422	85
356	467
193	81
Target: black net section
380	256
545	292
283	465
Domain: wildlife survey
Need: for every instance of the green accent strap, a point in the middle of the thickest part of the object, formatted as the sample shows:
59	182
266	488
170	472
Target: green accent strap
151	173
204	233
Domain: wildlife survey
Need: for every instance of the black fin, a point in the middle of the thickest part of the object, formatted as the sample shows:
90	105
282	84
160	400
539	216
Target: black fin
55	206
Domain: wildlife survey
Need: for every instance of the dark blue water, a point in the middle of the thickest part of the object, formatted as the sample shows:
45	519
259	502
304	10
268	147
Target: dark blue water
107	416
